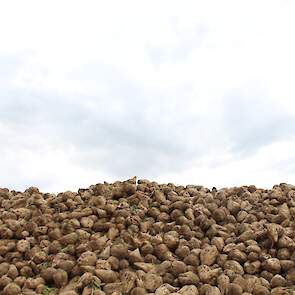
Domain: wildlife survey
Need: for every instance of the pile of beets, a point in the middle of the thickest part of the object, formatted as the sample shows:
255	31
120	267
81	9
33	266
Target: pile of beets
141	237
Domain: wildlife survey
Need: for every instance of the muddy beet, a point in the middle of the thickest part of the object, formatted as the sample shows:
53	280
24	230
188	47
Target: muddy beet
140	237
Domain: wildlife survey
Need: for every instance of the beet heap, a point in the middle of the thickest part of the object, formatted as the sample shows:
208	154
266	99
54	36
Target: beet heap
147	238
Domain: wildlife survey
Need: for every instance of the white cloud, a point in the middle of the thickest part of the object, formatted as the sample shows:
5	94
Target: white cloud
158	89
272	164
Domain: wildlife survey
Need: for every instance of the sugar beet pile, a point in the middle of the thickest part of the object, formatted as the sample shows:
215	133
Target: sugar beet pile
146	238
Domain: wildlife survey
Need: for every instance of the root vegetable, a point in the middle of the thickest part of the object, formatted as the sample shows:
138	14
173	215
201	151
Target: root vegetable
60	278
272	265
188	278
4	267
260	290
12	289
23	246
213	291
152	282
206	274
4	281
208	255
233	289
234	266
106	275
178	267
138	291
12	272
189	290
148	238
87	258
119	250
71	238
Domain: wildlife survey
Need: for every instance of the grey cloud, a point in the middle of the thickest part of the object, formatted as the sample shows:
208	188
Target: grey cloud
144	136
285	166
16	149
126	131
253	121
8	65
187	42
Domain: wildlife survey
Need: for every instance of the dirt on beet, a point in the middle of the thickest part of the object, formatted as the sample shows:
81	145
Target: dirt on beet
141	237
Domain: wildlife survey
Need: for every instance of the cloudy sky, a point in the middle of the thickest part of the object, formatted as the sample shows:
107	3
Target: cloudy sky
191	92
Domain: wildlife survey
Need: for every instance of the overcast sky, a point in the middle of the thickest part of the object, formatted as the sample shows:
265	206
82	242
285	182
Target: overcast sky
191	92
